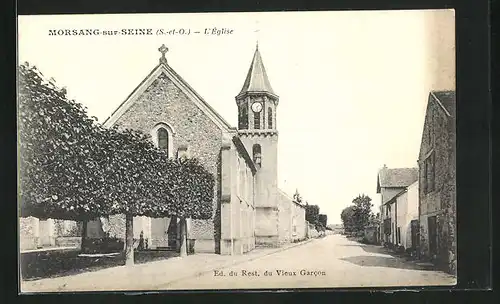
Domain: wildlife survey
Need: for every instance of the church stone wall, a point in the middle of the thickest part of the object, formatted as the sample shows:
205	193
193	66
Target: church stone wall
164	102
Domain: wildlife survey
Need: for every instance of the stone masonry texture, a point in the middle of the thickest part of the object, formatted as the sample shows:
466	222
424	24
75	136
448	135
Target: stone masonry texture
163	102
442	201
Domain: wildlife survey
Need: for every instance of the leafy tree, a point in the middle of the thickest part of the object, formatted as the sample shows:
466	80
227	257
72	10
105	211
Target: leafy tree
58	171
312	214
143	181
347	217
374	219
323	218
358	215
362	211
73	168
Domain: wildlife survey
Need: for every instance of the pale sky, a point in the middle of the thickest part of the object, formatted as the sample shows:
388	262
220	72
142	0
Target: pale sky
353	85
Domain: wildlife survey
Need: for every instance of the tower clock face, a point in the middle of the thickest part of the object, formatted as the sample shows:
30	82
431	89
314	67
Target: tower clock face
256	107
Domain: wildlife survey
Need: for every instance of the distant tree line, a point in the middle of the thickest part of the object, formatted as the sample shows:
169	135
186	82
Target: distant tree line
312	213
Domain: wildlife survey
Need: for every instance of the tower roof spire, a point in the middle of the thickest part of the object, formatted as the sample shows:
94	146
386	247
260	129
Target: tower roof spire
257	80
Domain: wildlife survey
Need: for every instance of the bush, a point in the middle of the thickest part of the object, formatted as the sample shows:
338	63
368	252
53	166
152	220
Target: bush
102	245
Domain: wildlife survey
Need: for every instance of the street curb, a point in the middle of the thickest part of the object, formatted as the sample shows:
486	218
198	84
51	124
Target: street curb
200	273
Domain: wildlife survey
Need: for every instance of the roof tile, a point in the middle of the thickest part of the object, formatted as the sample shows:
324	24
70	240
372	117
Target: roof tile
397	177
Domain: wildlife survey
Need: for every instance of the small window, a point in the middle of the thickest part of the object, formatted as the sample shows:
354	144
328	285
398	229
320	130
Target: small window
429	173
256	120
163	139
269	118
257	155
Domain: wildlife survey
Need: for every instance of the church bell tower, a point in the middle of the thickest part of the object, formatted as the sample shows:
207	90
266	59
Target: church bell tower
257	129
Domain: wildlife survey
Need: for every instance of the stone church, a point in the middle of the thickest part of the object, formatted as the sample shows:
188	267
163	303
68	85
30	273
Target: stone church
249	208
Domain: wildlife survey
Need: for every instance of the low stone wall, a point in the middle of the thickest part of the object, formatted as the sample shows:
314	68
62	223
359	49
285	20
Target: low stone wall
68	241
28	243
312	232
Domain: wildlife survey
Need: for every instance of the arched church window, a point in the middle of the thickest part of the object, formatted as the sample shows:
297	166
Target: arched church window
163	139
256	120
257	155
269	118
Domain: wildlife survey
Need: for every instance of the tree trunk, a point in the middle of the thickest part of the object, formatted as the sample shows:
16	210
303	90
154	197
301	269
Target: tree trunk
183	238
83	244
129	239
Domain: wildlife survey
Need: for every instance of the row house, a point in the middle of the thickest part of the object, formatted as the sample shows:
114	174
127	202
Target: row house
403	210
437	181
418	205
398	190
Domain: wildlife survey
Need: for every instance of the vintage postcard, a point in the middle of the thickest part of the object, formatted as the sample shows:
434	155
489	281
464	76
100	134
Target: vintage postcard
217	151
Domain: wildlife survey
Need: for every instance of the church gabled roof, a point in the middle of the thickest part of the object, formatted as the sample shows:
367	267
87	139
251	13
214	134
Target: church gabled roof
164	68
257	80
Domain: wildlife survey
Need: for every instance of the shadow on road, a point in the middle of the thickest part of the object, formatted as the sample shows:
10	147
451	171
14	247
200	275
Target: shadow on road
383	261
369	248
391	259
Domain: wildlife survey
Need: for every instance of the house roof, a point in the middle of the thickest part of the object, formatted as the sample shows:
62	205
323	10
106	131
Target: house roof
393	198
396	177
164	68
257	80
443	100
446	100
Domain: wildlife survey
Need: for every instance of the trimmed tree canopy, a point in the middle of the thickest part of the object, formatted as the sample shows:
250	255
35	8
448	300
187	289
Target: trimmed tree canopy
58	173
73	168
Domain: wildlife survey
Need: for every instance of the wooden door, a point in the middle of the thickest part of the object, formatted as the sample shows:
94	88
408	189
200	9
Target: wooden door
432	235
